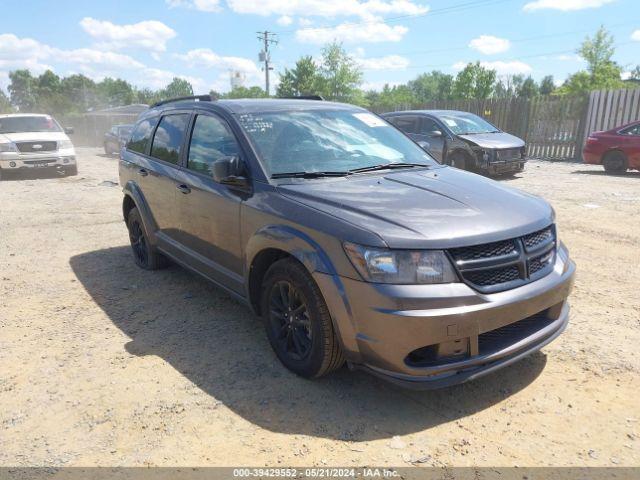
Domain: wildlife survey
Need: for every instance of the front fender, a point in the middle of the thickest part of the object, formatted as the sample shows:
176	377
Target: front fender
133	191
318	263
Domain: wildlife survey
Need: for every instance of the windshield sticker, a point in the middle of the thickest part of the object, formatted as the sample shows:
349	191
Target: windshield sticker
451	123
370	120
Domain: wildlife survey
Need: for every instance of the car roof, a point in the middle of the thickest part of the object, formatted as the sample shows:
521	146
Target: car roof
257	105
430	112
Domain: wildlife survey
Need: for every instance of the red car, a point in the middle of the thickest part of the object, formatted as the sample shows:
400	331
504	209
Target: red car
617	149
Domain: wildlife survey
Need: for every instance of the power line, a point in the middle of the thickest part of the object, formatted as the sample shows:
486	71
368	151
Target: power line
265	55
439	11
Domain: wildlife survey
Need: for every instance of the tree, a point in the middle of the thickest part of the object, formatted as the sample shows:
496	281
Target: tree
22	90
602	72
5	104
340	75
115	92
547	85
303	79
634	75
474	81
431	86
179	87
528	89
80	91
244	92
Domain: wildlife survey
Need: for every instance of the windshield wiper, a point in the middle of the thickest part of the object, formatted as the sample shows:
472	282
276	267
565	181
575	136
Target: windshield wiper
310	174
387	166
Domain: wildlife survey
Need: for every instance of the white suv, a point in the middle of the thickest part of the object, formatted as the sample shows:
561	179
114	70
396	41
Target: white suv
35	141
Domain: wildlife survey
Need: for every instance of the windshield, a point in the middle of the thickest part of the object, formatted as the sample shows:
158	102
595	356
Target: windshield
328	141
29	124
467	123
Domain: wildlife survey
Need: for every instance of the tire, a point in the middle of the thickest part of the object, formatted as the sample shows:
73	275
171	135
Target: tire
615	162
144	254
107	150
297	321
71	171
457	160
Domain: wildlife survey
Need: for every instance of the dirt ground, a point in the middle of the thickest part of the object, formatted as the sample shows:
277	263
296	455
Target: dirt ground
102	363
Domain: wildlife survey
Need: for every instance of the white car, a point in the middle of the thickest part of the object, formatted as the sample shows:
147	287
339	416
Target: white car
30	141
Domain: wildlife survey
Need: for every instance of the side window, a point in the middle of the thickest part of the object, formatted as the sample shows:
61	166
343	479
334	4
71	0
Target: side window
211	140
635	130
141	135
430	126
408	124
168	138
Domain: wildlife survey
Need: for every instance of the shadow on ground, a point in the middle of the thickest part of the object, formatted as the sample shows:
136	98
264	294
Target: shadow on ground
220	346
33	174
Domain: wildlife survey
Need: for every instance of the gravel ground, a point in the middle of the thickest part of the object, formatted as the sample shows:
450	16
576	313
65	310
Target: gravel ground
102	363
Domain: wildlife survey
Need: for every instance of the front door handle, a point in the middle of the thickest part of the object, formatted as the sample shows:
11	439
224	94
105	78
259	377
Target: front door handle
184	188
143	172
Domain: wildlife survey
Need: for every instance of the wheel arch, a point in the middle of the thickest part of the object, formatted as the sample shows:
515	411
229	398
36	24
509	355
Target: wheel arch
273	243
133	197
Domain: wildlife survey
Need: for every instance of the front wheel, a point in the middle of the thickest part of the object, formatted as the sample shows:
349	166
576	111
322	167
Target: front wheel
297	321
71	171
615	162
458	161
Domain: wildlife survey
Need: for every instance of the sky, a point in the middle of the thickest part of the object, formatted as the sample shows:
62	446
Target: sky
148	42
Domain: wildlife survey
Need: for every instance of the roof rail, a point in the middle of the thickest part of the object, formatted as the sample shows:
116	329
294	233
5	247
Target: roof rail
200	98
305	97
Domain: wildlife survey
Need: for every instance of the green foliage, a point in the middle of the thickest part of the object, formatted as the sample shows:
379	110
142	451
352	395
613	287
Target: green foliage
602	72
179	87
22	89
303	79
474	81
5	104
431	86
547	85
114	92
340	75
244	92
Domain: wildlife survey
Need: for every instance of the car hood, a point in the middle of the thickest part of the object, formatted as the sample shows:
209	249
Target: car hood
33	137
494	140
439	208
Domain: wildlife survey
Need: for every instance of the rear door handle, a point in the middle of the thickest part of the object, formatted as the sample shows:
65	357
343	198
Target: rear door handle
143	172
184	188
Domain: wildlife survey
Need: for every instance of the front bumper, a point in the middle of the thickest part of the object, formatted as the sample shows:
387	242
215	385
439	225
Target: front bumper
52	160
498	167
380	325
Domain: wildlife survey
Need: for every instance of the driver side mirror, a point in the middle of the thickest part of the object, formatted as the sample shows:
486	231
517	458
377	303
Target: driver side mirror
229	171
68	130
435	133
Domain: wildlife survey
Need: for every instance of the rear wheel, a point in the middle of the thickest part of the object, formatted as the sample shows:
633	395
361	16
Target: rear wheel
615	162
144	254
71	171
297	321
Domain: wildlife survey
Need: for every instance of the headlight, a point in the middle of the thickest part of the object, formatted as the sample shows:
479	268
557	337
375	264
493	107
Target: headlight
380	265
63	144
8	147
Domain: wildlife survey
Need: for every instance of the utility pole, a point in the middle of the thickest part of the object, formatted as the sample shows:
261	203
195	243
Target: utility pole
265	56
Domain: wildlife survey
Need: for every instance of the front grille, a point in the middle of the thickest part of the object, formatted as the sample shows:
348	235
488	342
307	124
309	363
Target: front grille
536	238
493	276
509	154
495	340
497	266
487	250
40	161
36	147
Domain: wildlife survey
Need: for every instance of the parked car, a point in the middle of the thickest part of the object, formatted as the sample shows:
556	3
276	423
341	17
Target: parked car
30	141
115	138
347	238
617	150
462	140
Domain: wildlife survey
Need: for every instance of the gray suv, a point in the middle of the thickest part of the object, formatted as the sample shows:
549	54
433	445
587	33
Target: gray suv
348	240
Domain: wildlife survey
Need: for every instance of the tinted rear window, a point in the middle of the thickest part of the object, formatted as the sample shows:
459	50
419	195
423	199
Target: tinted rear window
141	135
168	138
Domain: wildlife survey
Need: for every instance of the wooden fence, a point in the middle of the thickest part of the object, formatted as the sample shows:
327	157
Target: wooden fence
554	127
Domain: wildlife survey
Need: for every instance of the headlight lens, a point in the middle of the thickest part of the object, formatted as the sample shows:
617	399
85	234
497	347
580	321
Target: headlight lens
407	267
63	144
8	147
